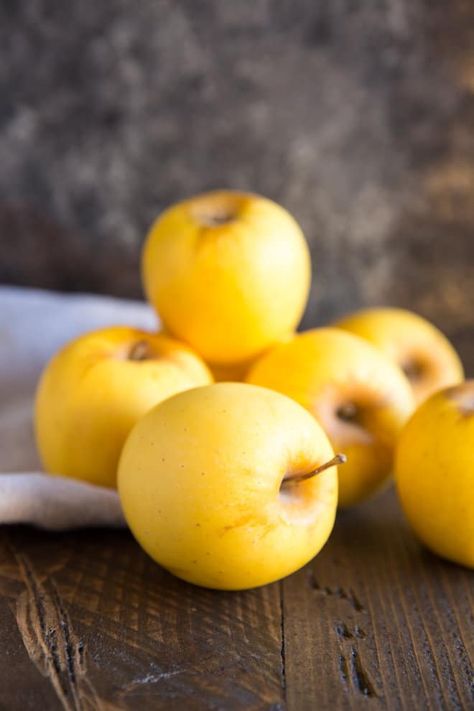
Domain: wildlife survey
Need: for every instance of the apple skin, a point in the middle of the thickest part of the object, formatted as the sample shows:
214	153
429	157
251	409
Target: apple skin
413	343
199	480
91	393
327	370
236	372
233	372
228	272
434	473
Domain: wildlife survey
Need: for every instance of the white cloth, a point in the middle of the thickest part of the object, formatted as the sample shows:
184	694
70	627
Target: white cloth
56	503
33	325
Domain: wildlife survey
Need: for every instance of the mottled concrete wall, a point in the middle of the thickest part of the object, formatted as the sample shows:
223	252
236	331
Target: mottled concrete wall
357	115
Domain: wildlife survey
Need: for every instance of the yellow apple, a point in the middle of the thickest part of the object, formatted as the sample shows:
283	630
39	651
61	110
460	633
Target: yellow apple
210	484
228	272
434	471
425	355
236	372
233	372
94	390
357	394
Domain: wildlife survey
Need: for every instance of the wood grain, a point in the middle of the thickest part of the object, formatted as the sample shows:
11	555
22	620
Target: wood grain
89	623
50	640
99	626
377	620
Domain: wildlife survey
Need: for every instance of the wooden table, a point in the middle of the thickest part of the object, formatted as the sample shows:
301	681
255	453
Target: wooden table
374	622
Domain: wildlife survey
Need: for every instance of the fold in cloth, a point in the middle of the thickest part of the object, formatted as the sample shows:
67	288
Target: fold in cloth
33	325
57	503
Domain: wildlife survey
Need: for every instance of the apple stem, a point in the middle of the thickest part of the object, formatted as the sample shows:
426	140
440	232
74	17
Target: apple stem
338	459
140	351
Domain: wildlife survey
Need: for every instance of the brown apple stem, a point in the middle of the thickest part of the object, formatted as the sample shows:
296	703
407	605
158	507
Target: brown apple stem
338	459
140	350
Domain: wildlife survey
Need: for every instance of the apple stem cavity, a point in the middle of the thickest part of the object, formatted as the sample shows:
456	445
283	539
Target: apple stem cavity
413	370
141	350
348	412
338	459
217	219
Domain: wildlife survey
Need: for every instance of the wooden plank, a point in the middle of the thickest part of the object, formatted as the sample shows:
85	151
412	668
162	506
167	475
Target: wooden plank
376	621
89	622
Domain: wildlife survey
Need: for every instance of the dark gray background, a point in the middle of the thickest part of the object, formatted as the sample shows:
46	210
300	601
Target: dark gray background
357	115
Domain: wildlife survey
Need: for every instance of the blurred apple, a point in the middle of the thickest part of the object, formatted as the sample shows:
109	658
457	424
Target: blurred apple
94	390
435	473
424	354
228	273
356	393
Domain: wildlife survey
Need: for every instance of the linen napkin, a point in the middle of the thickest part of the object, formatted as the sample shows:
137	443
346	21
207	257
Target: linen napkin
33	325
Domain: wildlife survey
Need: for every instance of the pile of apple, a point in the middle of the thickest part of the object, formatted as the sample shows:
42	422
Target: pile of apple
234	484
